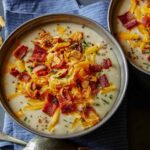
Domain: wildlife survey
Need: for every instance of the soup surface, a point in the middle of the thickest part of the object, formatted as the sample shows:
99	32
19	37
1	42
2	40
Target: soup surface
61	78
132	29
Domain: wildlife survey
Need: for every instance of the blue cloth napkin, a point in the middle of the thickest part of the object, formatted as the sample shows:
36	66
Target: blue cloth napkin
112	135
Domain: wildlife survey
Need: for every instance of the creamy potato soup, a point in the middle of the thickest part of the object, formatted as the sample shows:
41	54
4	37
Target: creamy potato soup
61	78
132	29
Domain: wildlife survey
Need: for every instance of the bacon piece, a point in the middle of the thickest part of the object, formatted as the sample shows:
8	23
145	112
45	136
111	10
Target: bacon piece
106	64
146	21
65	102
77	46
51	104
20	51
35	94
14	72
39	54
49	108
95	68
57	40
35	86
128	20
148	58
87	111
94	87
24	76
79	83
104	81
47	43
41	70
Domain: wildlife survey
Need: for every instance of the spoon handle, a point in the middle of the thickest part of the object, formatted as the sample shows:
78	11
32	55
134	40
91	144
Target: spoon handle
8	138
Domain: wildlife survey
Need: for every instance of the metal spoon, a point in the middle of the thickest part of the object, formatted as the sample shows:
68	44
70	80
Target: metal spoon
41	143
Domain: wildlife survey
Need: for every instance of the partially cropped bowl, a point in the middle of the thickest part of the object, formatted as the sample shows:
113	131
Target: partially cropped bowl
119	24
58	18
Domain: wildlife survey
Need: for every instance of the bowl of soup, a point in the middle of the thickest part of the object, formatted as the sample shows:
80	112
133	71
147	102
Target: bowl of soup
129	22
63	75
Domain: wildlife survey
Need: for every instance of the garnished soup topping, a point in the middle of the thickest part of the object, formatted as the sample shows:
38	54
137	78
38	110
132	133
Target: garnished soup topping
63	78
133	31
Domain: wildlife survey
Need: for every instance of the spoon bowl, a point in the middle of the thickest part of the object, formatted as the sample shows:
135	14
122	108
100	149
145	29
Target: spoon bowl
41	143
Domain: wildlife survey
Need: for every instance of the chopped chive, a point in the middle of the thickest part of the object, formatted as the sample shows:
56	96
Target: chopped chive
65	120
25	119
97	104
83	26
147	51
97	97
147	64
85	44
98	53
105	95
31	68
105	102
111	96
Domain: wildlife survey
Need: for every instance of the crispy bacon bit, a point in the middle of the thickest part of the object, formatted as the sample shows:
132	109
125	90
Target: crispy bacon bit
20	51
78	83
95	68
103	81
14	72
57	40
65	102
94	87
39	54
106	64
128	20
146	21
70	40
77	46
51	104
68	109
24	76
87	111
35	86
41	70
37	94
148	58
47	44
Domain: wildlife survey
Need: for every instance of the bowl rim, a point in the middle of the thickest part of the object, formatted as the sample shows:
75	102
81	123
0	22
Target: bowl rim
110	28
113	108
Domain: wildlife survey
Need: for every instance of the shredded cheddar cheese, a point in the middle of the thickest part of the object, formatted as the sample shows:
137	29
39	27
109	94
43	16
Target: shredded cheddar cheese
61	77
54	120
2	22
